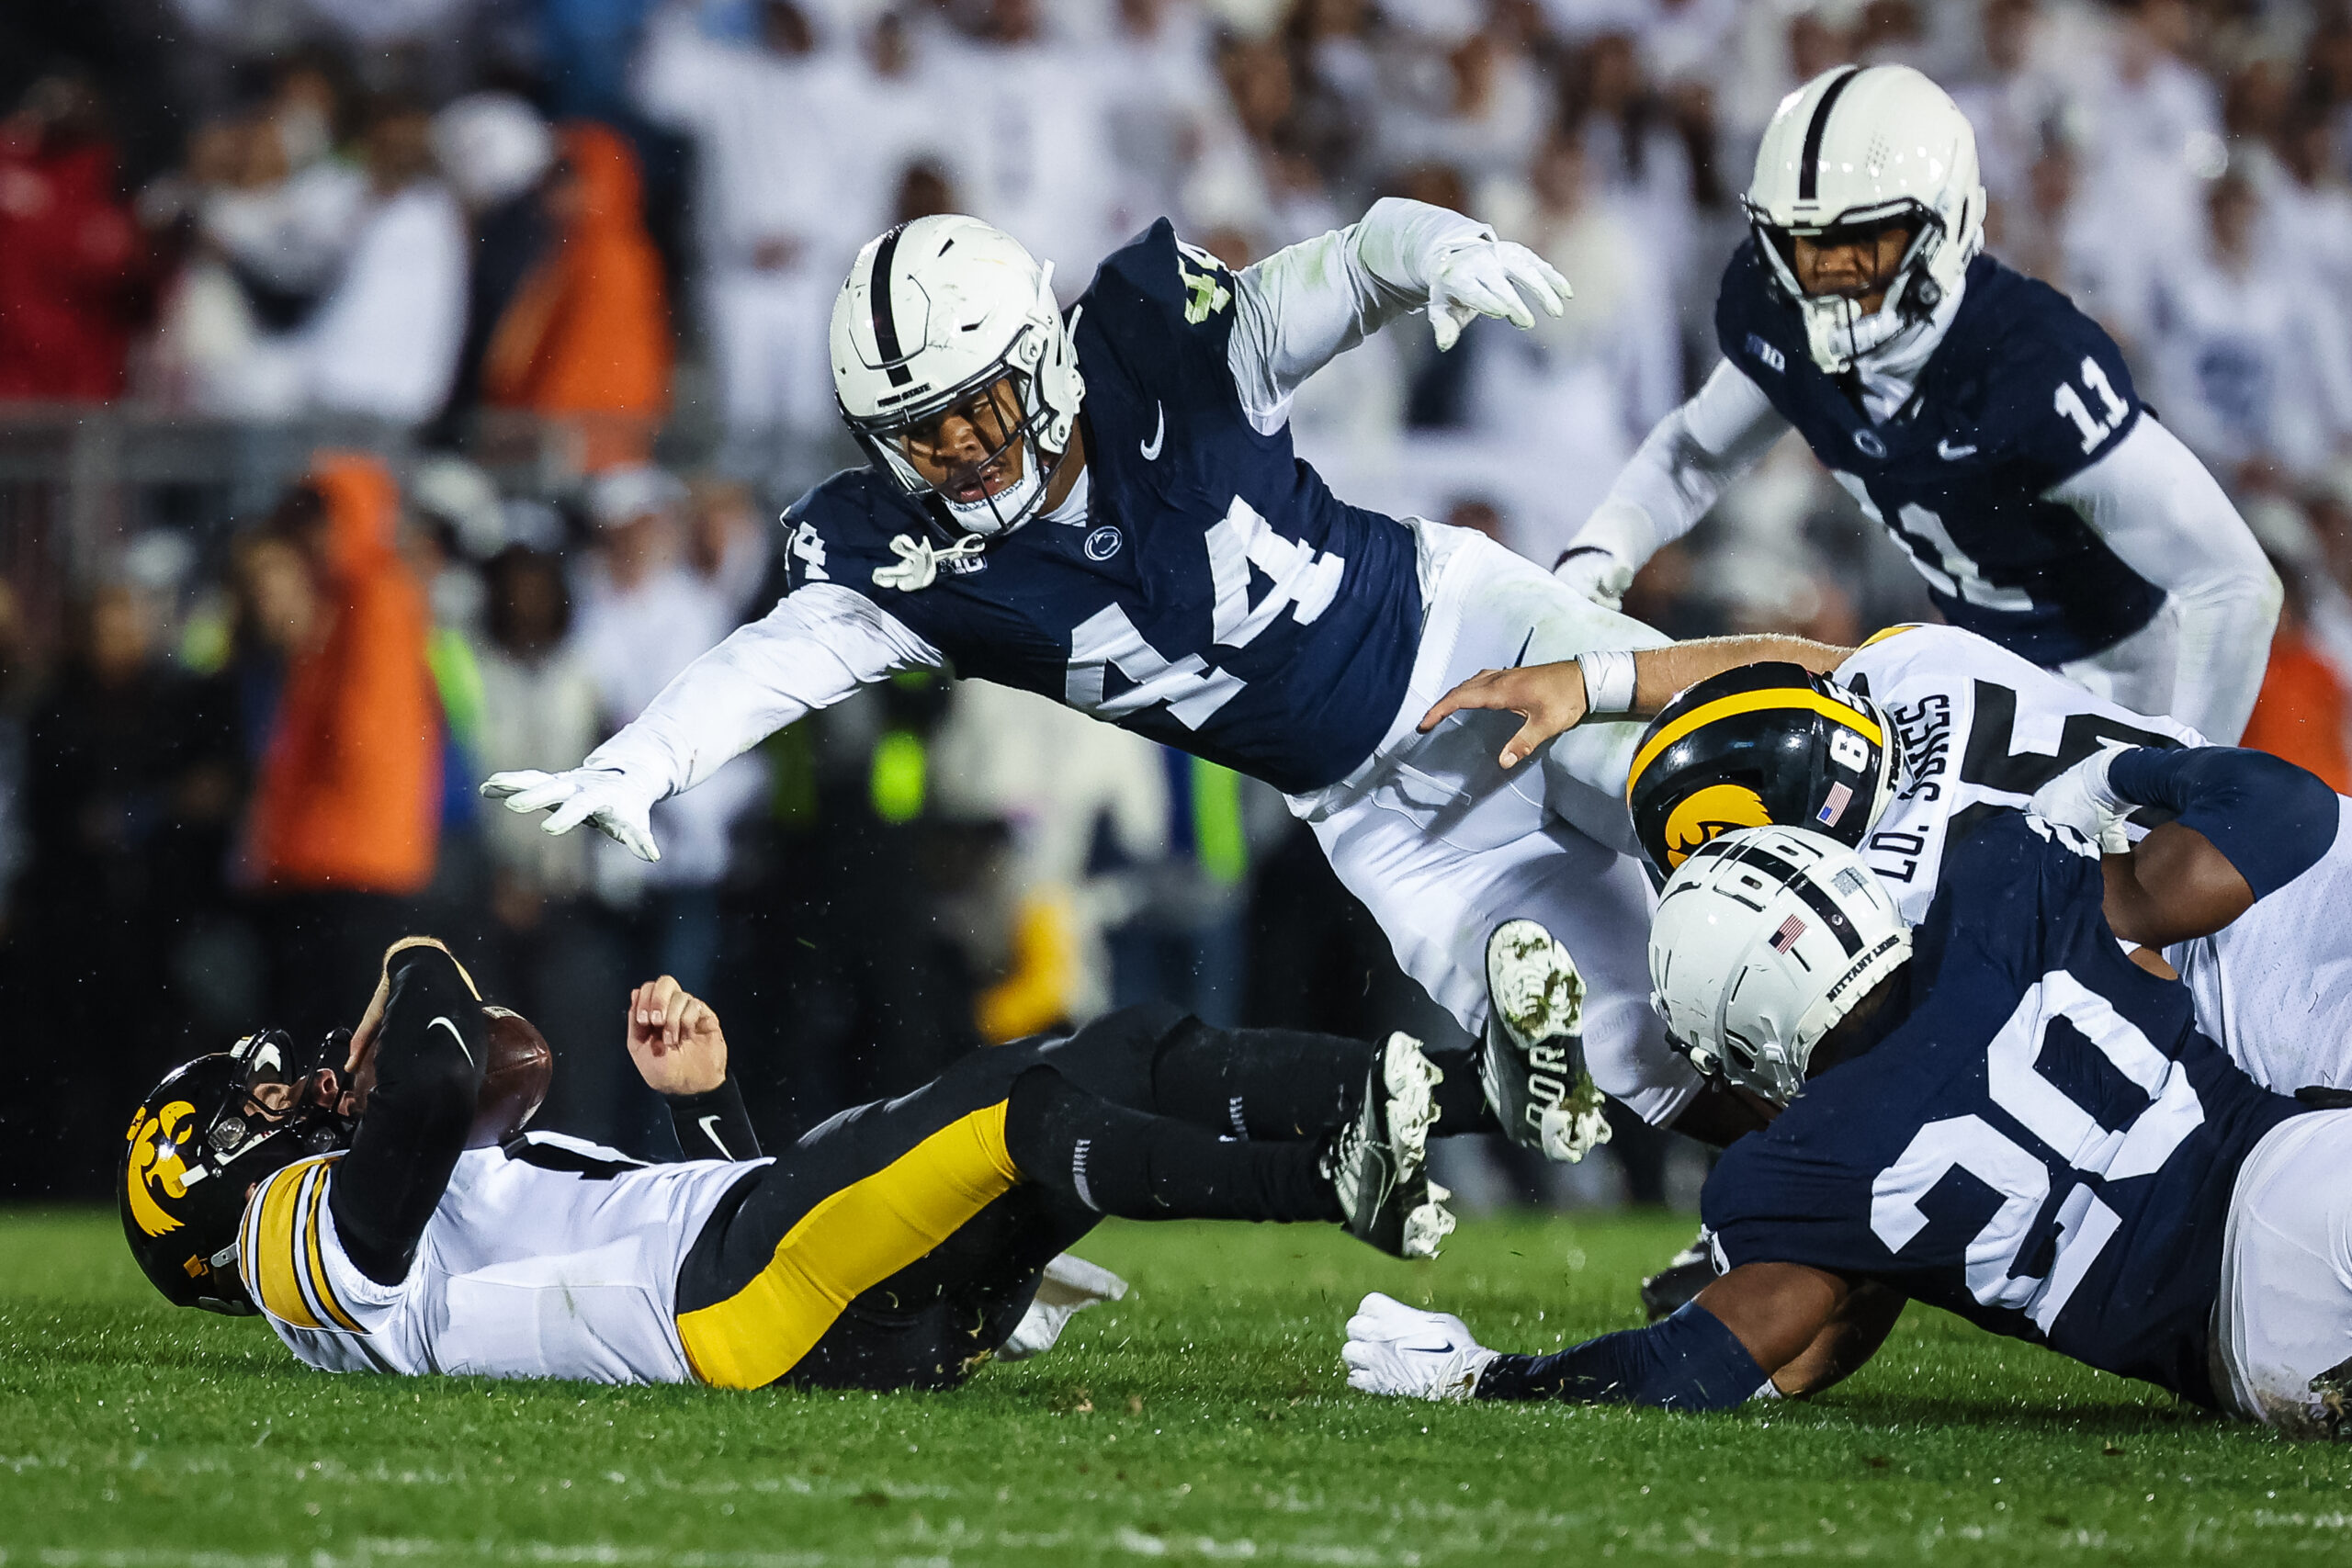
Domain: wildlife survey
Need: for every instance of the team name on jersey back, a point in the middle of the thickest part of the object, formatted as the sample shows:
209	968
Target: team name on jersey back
1216	597
2023	392
2043	1145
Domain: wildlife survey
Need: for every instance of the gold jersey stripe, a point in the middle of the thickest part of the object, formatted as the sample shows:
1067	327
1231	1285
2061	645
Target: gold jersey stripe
1750	702
853	1240
321	1292
1885	632
272	1261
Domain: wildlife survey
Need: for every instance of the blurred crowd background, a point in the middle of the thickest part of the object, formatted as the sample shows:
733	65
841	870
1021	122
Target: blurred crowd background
392	391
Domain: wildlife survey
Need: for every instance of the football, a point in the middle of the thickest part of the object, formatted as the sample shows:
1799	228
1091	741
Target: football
514	1081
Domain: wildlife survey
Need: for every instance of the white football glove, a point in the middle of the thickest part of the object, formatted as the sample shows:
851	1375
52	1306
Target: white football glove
1492	277
1595	574
620	805
1396	1349
2082	799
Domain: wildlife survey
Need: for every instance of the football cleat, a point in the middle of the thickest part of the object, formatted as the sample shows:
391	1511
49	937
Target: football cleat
1532	1063
1408	1353
2332	1410
1687	1273
1378	1163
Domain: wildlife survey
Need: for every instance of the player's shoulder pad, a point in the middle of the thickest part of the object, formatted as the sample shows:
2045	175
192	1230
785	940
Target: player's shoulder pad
841	530
2013	882
1157	287
2042	383
1754	330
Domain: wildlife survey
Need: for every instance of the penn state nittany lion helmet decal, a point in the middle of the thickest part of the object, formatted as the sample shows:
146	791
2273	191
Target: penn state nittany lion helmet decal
1763	744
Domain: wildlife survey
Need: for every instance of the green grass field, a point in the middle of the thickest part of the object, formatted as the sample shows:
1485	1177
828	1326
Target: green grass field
1203	1419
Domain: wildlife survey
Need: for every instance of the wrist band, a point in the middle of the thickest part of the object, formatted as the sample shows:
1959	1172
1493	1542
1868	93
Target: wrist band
1608	683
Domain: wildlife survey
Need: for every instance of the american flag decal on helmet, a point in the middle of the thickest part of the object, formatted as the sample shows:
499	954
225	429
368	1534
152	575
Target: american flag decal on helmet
1834	807
1786	937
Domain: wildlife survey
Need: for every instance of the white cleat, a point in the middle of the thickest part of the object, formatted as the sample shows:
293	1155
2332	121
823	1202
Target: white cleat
1410	1354
1378	1164
1412	1080
1531	1061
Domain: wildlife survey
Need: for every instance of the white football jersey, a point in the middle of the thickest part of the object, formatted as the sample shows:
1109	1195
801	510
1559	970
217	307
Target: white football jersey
559	1260
1979	729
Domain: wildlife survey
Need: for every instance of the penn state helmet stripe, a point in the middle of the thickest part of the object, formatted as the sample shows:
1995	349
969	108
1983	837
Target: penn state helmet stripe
885	320
1801	883
1809	161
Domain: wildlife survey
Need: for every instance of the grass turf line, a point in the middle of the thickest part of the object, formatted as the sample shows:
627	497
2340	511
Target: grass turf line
1204	1419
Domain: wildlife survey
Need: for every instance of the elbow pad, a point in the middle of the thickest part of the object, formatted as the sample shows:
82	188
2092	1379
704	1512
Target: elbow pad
1691	1361
2270	819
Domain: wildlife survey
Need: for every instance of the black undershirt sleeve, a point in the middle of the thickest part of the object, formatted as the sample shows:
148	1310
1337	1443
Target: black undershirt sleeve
714	1124
429	1056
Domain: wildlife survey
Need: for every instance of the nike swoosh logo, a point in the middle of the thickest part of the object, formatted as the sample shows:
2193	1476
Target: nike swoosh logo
1443	1348
1159	433
1952	453
456	1036
1520	657
710	1125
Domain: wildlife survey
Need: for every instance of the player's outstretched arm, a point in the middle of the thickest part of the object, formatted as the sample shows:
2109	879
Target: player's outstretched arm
2166	517
819	644
681	1052
1851	1338
1718	1352
1554	698
2245	824
1681	468
1309	303
420	1049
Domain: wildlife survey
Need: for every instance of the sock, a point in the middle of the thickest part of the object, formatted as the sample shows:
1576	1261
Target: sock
1462	1105
1278	1084
1141	1167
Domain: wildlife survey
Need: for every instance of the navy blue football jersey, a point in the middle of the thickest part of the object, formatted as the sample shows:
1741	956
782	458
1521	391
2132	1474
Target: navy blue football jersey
2044	1145
1217	597
2023	392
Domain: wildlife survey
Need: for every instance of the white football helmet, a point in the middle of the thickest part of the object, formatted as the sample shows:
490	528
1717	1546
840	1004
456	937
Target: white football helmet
935	313
1855	148
1764	939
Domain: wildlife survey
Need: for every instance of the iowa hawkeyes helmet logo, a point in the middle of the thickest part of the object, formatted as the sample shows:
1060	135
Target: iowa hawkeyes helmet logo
150	1169
1708	814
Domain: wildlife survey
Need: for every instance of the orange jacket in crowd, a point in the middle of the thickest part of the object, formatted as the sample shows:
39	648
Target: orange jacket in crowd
349	793
588	331
2300	712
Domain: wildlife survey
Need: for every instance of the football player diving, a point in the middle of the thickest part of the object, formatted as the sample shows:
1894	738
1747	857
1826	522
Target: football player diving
1105	509
352	1197
2008	1112
1989	425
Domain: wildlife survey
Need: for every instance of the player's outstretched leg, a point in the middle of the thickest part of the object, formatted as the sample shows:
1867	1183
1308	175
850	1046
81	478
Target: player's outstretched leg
1117	1160
1532	1061
1282	1084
